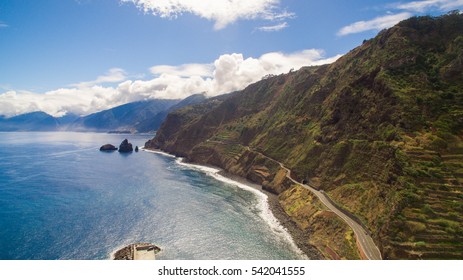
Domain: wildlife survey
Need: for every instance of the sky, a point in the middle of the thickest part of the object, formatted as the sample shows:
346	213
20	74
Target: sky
84	56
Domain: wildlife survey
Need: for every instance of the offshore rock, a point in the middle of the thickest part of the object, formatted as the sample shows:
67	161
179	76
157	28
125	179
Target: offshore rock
108	148
125	147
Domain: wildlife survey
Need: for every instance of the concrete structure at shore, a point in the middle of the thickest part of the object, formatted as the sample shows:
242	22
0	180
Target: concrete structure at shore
137	251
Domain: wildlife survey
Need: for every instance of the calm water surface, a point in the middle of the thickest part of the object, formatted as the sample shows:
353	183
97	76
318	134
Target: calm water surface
61	198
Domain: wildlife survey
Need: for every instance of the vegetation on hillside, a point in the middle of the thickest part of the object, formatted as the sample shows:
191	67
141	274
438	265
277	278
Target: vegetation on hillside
380	131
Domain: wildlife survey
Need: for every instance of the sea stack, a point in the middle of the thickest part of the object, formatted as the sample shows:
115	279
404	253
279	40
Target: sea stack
125	147
108	148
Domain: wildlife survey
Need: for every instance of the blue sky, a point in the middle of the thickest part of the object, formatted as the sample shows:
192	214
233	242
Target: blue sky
83	56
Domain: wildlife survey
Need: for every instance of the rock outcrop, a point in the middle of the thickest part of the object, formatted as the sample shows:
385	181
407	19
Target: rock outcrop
108	148
125	147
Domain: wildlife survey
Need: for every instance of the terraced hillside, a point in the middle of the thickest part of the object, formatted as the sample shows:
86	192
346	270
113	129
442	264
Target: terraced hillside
432	221
380	131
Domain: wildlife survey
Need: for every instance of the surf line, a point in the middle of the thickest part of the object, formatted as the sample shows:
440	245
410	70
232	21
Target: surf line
264	208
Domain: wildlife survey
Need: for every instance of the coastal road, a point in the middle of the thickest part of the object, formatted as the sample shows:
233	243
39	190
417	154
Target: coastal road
365	243
364	240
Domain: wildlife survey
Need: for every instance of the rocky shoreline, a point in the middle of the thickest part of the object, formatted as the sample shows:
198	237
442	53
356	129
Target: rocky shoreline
298	236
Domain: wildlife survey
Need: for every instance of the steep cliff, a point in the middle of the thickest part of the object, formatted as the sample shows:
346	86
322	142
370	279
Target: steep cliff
380	131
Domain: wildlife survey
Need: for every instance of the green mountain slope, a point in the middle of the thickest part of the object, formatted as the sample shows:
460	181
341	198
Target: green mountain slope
380	131
150	124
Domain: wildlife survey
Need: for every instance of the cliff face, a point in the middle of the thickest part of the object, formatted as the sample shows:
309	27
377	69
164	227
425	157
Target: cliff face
380	131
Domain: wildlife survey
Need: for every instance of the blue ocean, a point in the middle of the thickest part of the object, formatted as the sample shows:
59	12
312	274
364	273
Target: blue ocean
61	198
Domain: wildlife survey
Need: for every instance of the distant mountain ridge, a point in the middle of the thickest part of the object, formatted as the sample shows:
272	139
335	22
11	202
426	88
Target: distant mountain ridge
136	117
36	121
124	117
153	124
380	131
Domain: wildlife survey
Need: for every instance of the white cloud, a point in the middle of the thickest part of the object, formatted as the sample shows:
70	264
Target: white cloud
272	28
57	102
378	23
185	70
3	25
407	9
222	12
114	75
227	73
423	6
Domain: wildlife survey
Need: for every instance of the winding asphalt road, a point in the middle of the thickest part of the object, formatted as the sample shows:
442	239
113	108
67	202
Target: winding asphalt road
364	240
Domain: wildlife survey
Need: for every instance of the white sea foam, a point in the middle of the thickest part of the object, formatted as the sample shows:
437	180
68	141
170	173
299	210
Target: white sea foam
157	152
263	204
112	254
